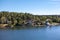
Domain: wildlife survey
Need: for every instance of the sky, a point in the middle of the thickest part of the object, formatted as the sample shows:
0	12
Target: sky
36	7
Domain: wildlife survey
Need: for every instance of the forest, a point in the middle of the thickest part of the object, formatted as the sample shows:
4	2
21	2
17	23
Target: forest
17	20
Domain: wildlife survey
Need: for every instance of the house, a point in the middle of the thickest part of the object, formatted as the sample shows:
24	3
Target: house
47	22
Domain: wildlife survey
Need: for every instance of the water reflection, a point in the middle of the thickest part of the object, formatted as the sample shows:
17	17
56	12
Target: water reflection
41	33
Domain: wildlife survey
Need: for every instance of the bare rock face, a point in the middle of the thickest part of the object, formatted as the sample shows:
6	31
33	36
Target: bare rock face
3	25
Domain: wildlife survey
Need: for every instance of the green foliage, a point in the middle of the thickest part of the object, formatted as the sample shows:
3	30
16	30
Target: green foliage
13	18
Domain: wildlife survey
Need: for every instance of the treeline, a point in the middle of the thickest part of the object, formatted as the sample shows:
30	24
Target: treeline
15	18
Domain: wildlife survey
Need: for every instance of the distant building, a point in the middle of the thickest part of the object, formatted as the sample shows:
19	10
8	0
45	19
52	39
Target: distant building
47	22
29	21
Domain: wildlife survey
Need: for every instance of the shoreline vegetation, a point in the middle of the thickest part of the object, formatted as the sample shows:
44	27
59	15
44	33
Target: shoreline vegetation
26	20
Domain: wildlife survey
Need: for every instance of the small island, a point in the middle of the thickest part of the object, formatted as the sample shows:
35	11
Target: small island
26	20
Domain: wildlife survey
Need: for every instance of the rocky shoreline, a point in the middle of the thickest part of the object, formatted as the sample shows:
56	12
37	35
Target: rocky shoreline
7	26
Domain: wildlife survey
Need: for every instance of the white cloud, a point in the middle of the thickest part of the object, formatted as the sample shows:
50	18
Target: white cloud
54	0
57	3
47	12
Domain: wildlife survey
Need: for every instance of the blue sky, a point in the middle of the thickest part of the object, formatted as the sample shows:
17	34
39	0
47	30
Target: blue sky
36	7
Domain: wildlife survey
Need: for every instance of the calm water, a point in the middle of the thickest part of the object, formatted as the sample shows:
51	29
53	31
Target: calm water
45	33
